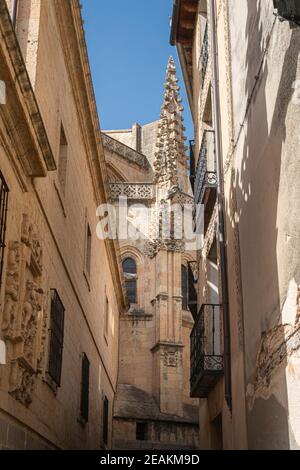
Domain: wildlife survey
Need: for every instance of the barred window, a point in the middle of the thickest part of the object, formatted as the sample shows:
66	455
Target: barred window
56	337
85	386
130	272
3	216
105	420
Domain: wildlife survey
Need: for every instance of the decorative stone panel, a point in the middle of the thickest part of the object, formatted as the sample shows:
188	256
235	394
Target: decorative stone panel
22	320
138	191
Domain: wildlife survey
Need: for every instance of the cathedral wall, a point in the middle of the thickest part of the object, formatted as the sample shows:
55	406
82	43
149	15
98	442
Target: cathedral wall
161	435
125	136
149	148
136	341
126	170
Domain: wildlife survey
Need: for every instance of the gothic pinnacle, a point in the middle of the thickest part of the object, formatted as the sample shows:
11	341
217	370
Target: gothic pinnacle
170	137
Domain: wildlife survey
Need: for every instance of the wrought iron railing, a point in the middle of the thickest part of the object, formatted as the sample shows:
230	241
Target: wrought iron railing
204	55
192	164
288	10
207	362
3	216
206	175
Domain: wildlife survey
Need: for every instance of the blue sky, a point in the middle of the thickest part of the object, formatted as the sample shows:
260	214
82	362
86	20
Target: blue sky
128	43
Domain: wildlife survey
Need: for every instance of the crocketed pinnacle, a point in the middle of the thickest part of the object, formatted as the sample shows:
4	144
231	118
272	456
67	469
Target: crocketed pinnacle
170	137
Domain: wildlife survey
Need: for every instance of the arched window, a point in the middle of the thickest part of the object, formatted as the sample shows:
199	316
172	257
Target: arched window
130	273
184	287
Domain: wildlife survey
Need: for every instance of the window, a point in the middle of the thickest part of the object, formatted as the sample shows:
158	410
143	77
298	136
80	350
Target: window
62	160
141	431
192	291
184	287
3	216
130	272
88	249
105	420
57	319
85	385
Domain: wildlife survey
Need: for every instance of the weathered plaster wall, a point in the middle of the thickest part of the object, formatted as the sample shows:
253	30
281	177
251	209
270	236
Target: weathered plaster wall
266	172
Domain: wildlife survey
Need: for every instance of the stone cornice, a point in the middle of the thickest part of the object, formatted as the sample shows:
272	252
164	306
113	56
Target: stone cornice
76	57
24	127
166	345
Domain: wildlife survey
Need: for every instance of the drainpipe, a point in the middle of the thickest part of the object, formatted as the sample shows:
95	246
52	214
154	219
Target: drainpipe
220	202
14	12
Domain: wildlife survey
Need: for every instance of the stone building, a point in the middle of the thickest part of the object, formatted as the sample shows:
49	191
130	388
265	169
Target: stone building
61	287
148	165
241	69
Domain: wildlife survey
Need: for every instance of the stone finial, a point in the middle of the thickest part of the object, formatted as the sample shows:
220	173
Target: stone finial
170	137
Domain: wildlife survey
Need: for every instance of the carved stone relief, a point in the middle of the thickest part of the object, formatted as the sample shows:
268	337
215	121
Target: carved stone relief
172	357
22	318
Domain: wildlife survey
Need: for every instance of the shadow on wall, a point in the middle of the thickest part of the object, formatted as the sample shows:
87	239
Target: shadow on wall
258	187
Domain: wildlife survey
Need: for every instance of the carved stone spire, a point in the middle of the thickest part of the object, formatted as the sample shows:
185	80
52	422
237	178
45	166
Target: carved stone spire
170	137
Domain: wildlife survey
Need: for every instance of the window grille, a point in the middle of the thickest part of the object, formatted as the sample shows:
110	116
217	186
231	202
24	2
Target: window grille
56	337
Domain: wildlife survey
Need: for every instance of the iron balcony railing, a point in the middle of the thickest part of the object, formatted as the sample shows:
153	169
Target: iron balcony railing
206	176
204	55
192	164
288	10
3	218
207	363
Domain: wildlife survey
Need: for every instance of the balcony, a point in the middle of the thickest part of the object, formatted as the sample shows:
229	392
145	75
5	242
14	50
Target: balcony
207	362
205	190
192	164
204	55
288	10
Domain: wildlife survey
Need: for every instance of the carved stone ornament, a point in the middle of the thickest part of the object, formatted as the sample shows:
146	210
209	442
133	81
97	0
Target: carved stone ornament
172	358
22	316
